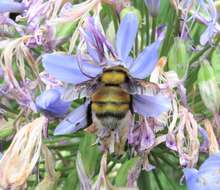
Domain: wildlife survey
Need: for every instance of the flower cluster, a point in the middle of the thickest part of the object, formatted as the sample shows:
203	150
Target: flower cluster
103	94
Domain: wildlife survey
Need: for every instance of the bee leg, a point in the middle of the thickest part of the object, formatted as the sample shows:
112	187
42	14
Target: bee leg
123	134
120	141
89	114
131	105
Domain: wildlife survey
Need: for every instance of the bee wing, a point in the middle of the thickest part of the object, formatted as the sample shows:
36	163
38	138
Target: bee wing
85	89
74	121
150	105
141	87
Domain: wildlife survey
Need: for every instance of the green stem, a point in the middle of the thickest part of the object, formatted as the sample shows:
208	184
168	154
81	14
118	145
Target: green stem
7	108
154	25
142	8
169	33
196	56
147	27
114	18
61	147
136	46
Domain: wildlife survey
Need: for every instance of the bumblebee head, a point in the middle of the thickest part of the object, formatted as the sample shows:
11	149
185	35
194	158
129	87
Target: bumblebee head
114	75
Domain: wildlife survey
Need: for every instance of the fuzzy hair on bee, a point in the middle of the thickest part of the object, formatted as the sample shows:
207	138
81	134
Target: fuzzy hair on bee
110	108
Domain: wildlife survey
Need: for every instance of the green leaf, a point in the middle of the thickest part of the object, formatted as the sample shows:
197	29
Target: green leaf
122	175
72	181
65	29
144	181
216	64
6	129
90	153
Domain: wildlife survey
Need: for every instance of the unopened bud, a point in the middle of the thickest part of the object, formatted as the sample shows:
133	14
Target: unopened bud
133	10
208	87
178	58
153	7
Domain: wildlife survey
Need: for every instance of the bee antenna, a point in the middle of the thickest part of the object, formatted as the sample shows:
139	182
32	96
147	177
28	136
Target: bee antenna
81	67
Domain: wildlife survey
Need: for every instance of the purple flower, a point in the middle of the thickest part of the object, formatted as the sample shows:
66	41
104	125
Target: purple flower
211	22
153	7
77	69
37	12
11	6
50	102
141	137
207	177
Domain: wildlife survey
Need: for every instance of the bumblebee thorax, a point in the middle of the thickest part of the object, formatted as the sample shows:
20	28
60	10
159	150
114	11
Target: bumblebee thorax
114	75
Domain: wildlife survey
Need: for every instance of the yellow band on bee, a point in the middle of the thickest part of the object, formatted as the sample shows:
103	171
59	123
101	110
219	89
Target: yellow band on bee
109	107
111	94
113	77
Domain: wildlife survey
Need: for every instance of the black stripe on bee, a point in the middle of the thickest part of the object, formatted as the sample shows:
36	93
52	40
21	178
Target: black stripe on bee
115	71
118	115
110	102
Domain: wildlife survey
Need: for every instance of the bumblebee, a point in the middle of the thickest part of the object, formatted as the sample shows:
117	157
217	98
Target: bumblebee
109	104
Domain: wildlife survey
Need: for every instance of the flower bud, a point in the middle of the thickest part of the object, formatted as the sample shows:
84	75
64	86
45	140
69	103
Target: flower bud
153	7
118	4
208	87
133	10
178	58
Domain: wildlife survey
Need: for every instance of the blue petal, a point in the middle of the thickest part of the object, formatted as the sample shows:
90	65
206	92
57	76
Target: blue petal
128	62
209	181
191	176
208	176
10	6
146	61
212	163
66	68
150	105
50	102
93	53
74	121
126	35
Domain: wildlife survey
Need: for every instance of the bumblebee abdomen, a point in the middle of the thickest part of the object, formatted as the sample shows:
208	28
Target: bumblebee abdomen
110	104
114	95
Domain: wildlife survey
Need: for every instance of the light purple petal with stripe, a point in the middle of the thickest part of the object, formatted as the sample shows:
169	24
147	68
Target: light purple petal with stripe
150	105
74	121
11	6
208	34
126	35
147	139
66	68
146	61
